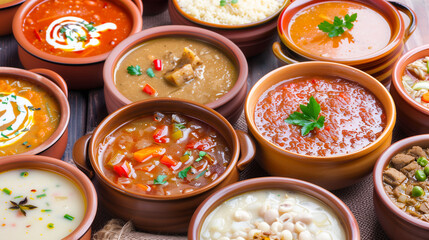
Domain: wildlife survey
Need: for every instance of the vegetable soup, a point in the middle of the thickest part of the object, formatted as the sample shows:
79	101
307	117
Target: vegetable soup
416	81
164	154
175	67
38	204
369	33
272	214
29	115
351	117
71	28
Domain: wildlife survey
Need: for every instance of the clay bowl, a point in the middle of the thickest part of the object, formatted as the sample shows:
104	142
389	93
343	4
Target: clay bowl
251	38
55	145
7	11
396	223
338	207
154	7
166	214
83	231
229	105
374	64
413	118
79	73
331	172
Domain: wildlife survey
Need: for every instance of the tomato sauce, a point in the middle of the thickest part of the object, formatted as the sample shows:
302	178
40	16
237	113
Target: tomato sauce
354	117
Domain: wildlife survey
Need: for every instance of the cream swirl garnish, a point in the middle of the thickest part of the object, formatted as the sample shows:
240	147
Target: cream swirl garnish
75	34
16	117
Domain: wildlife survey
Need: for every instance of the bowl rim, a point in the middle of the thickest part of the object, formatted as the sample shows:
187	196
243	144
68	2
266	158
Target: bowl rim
396	38
11	4
53	90
337	206
219	41
322	159
381	164
224	26
140	106
398	72
23	11
79	179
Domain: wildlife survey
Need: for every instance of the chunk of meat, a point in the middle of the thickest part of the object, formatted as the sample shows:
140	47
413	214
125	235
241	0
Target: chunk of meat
411	169
189	57
401	160
424	207
417	152
393	177
180	76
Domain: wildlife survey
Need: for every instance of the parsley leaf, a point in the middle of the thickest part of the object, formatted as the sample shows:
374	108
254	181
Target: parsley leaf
82	39
135	71
309	118
184	173
90	27
337	27
200	156
160	179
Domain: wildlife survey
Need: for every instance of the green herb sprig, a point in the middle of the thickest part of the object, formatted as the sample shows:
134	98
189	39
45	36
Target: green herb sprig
160	180
135	71
309	118
184	173
224	2
22	206
337	27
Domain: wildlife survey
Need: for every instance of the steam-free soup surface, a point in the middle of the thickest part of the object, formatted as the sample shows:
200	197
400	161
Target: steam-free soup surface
209	80
370	33
5	1
52	205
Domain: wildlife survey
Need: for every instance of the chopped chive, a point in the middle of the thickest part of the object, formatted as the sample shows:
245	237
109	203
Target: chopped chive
201	174
7	191
41	195
24	174
4	136
187	153
68	217
13	96
50	225
29	146
9	128
17	197
201	155
46	210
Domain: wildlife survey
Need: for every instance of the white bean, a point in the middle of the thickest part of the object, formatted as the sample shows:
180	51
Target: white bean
300	227
254	232
285	207
271	215
264	208
305	235
289	226
240	234
263	226
286	235
241	216
276	227
286	217
323	236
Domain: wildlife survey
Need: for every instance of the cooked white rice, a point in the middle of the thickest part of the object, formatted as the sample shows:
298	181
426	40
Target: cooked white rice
242	12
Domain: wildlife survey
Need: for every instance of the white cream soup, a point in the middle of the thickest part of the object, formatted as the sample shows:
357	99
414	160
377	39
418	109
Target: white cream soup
54	208
272	214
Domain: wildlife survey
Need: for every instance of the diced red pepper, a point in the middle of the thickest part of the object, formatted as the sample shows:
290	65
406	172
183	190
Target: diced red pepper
168	161
157	64
149	89
160	135
327	128
123	170
202	145
37	35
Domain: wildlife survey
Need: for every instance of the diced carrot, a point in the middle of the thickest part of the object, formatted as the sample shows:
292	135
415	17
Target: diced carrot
149	152
143	187
149	90
425	97
168	161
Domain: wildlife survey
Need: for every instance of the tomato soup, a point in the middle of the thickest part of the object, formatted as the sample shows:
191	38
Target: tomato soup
39	204
29	115
164	154
354	117
370	33
71	28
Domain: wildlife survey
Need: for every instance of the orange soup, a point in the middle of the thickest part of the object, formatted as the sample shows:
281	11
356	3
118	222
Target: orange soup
370	33
71	28
28	116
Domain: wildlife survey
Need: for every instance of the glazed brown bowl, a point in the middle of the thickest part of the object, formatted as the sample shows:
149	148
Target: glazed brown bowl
83	231
53	83
79	73
251	38
378	64
413	118
338	207
7	11
331	172
154	213
154	7
396	223
229	105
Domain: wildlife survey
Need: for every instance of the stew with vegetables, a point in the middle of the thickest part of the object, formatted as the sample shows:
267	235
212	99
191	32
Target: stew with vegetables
164	154
406	181
416	81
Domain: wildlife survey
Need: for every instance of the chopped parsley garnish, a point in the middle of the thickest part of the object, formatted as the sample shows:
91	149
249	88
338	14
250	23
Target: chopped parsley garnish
184	173
201	174
337	27
4	136
33	108
224	2
135	71
309	118
201	155
9	128
160	179
90	27
63	30
187	153
24	174
82	39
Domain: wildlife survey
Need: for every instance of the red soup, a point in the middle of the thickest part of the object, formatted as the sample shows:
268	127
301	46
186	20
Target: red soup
354	118
70	28
164	154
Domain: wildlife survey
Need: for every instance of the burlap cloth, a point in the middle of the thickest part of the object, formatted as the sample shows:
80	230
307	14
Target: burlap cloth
357	197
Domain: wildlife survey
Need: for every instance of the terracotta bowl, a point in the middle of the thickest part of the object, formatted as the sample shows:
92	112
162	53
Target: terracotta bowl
332	172
413	118
83	231
167	214
378	64
338	207
154	7
251	38
55	146
79	73
7	11
397	224
229	105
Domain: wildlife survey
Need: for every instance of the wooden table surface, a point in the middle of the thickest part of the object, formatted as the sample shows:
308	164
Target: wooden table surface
88	109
